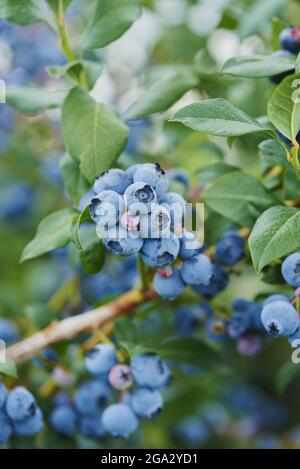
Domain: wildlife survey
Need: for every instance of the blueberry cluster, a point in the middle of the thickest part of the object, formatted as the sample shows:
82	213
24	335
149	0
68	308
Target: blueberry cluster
138	387
134	214
8	331
279	316
19	413
290	42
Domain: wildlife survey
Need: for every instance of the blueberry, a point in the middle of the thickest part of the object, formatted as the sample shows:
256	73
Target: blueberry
20	404
106	208
230	249
138	129
240	304
161	252
91	427
120	377
150	371
101	359
169	287
276	79
254	311
61	399
31	426
238	324
64	420
86	199
197	270
5	428
291	269
215	329
146	402
249	345
189	246
178	175
132	170
193	431
290	39
139	198
280	318
188	318
121	242
153	175
119	420
114	180
276	297
16	202
217	283
8	331
156	224
91	397
295	336
176	206
3	395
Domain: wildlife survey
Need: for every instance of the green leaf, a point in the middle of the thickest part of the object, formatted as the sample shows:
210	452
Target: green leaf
75	183
33	100
93	133
52	233
254	18
217	117
26	12
9	368
84	217
291	185
258	66
210	173
273	152
239	197
275	234
109	21
283	108
190	351
75	69
92	258
166	89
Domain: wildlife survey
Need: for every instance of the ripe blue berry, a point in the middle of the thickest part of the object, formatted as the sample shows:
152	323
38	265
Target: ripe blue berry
161	252
169	287
132	170
5	428
276	297
193	431
91	397
197	270
91	427
254	311
3	395
106	208
215	329
8	331
188	318
119	420
280	318
176	206
155	224
121	242
150	371
240	304
101	359
31	426
114	180
230	249
178	175
153	175
189	246
139	198
290	39
291	269
146	402
64	420
295	336
238	324
20	404
217	282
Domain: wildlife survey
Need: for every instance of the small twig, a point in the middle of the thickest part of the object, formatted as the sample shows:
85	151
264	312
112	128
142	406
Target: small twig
75	325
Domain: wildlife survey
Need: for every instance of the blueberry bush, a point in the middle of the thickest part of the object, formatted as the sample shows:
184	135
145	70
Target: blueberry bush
149	224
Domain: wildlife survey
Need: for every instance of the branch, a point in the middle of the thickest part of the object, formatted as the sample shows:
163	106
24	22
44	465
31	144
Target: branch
75	325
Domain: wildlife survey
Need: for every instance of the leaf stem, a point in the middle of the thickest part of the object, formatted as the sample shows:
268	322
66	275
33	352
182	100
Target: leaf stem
143	274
